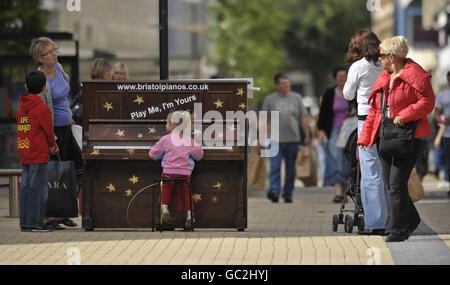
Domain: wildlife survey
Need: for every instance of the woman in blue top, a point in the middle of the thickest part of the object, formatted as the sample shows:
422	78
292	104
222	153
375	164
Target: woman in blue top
43	52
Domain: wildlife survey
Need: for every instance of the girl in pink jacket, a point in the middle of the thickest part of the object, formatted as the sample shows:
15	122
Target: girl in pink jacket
178	152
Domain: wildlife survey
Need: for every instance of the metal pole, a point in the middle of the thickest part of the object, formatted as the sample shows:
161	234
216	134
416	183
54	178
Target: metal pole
163	41
14	196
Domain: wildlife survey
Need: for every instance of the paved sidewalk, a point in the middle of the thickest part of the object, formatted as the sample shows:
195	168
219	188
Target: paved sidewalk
277	234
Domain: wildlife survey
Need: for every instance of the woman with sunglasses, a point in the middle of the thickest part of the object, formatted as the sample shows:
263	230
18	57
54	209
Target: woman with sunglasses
44	53
408	97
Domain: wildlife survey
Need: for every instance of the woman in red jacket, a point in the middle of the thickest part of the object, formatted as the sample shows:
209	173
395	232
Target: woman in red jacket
407	90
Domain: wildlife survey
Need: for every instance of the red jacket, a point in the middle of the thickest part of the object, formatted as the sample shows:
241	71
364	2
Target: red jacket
411	98
34	130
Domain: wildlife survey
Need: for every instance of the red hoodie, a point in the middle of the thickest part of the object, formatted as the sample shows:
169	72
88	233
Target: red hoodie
411	98
34	130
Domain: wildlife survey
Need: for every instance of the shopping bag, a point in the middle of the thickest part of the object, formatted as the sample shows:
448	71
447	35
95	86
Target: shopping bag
415	188
257	173
306	166
62	189
348	126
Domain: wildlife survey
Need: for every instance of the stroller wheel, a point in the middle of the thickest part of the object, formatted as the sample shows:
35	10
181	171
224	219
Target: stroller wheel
361	223
341	218
335	223
348	226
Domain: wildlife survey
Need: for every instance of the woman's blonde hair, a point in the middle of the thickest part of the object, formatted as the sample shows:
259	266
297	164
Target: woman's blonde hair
397	46
121	66
98	68
37	47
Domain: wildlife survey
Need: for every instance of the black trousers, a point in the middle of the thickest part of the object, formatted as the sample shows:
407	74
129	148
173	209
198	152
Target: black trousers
69	149
403	214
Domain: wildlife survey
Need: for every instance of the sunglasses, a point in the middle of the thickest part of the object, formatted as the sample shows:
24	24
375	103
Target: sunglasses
383	55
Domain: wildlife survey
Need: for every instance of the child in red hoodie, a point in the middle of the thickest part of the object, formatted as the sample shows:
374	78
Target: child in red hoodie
35	142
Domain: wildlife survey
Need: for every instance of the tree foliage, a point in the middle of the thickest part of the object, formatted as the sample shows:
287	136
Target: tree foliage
257	38
248	40
21	17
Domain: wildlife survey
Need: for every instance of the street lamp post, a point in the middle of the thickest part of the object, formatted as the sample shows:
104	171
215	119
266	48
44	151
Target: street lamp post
163	41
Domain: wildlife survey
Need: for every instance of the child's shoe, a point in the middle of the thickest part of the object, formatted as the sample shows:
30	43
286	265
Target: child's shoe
165	216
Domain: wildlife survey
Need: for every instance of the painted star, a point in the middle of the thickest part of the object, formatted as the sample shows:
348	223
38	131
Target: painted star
220	135
218	185
140	136
129	192
218	103
108	106
197	197
215	199
138	100
242	106
231	128
95	152
134	179
120	133
197	132
130	151
111	188
240	92
152	130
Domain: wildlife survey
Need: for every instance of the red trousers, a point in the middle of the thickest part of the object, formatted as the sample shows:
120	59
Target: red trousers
168	187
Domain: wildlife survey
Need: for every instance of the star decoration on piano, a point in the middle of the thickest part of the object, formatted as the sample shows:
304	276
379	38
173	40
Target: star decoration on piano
240	92
231	128
140	136
197	132
120	133
220	134
152	130
218	104
134	179
197	197
242	106
138	100
130	151
111	188
128	192
215	199
218	185
108	106
95	152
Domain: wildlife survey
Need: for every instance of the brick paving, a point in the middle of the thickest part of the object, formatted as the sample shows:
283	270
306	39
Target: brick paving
277	234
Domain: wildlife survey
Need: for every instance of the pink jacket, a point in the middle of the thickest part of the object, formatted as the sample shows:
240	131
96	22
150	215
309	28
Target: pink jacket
177	153
411	98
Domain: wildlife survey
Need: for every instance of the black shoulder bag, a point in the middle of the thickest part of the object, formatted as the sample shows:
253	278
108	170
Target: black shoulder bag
395	141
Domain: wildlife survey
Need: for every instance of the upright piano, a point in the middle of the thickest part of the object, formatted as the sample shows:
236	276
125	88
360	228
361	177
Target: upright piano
123	120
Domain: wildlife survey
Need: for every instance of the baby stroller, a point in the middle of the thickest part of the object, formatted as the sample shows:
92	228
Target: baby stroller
353	190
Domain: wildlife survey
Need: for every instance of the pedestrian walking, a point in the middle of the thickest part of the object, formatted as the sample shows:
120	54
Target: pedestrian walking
333	111
363	55
292	115
443	108
405	89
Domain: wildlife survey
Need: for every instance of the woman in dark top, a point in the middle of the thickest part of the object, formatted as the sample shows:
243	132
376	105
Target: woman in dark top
333	111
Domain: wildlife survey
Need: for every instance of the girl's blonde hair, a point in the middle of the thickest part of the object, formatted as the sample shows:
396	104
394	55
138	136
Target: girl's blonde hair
177	118
397	46
121	66
37	47
98	68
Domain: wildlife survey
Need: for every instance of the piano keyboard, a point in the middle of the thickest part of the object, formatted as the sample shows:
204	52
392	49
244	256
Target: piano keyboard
110	147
